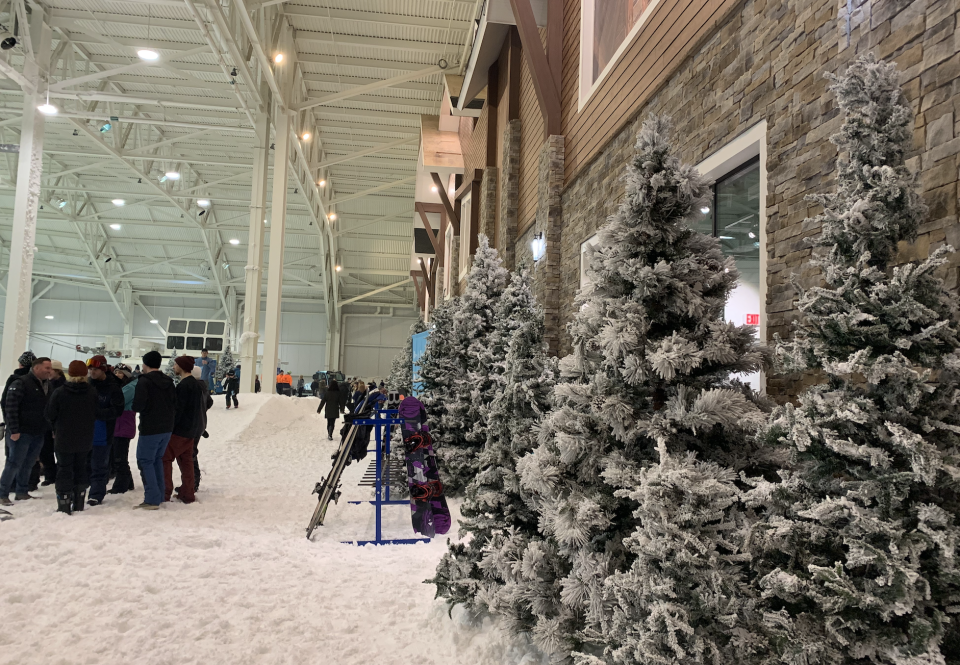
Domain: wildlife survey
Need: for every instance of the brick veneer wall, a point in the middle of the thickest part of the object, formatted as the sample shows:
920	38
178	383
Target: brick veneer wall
767	62
505	239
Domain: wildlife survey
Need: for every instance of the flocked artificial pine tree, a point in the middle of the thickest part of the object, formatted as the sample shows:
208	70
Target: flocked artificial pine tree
454	370
401	372
480	572
224	365
634	476
857	555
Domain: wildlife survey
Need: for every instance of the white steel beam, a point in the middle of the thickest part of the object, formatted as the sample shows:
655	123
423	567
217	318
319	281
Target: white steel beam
374	292
26	203
363	153
372	190
369	87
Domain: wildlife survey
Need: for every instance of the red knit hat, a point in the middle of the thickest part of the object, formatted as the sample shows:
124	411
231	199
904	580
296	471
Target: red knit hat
77	368
185	363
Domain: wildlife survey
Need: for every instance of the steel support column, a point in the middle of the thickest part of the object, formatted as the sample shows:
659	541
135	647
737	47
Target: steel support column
254	267
26	200
278	223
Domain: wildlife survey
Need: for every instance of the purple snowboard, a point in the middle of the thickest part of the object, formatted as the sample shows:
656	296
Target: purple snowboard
427	503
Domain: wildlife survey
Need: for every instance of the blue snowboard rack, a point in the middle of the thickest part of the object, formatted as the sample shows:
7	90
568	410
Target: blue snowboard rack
382	422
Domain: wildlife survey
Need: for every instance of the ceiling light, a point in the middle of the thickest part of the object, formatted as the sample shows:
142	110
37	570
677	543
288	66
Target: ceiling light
433	189
234	241
105	127
332	216
752	234
118	202
339	268
47	109
154	321
278	58
322	183
163	178
48	317
61	204
172	175
705	209
115	227
203	203
148	54
306	136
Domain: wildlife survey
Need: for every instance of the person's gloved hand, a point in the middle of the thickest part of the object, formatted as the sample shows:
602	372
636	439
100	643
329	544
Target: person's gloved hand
205	435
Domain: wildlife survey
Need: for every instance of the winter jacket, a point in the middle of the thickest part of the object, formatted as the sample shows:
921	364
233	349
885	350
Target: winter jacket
231	385
414	415
208	366
25	405
109	408
18	373
127	422
343	397
192	404
300	384
155	400
71	413
330	404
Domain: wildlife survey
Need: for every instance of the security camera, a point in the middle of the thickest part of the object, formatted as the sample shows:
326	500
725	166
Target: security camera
7	40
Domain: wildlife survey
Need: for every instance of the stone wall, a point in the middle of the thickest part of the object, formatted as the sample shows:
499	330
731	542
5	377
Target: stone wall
487	223
505	239
766	62
546	275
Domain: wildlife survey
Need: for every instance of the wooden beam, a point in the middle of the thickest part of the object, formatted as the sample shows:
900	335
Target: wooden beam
437	247
468	184
555	40
543	82
451	213
416	275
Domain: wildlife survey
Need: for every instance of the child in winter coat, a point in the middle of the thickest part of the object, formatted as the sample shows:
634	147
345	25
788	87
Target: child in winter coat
231	387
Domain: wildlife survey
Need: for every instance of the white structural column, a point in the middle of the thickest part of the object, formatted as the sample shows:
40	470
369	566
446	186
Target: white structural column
333	339
278	223
129	308
27	199
254	267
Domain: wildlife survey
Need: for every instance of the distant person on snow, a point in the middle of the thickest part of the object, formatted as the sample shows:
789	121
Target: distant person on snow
110	396
124	431
23	406
192	403
208	368
72	414
231	387
330	404
256	384
300	384
155	399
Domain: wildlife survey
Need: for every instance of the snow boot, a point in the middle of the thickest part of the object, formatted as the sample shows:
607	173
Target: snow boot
21	497
146	506
78	498
5	501
94	502
65	504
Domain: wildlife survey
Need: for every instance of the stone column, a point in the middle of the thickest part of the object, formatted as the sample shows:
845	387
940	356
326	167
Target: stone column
546	282
509	195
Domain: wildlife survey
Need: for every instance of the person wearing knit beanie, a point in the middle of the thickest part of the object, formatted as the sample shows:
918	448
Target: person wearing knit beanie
153	360
77	371
26	359
193	400
72	412
185	363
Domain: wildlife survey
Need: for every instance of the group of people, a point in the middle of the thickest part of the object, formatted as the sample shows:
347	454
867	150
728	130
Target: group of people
336	399
77	426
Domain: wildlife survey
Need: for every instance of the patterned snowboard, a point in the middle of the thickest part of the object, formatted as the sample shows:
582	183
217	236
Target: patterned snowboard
428	505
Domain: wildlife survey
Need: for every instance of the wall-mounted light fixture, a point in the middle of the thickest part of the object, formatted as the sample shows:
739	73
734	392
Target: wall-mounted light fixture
538	246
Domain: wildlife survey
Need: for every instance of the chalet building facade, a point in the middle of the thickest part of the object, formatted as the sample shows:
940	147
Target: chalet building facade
547	111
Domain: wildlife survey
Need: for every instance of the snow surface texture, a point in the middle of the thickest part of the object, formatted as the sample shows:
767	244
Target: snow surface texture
231	578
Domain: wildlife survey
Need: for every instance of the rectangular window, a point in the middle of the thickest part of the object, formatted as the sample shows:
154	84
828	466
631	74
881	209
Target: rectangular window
606	29
465	232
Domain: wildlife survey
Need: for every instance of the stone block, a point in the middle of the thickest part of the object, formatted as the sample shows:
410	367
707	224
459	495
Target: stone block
939	131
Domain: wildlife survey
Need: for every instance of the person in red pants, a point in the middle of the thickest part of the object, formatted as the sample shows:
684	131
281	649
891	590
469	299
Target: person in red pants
193	400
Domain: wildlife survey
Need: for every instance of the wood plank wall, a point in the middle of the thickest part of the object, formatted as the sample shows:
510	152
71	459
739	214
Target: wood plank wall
671	33
473	140
531	142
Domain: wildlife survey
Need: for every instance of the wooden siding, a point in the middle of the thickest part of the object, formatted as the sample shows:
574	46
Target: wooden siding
671	33
531	143
473	141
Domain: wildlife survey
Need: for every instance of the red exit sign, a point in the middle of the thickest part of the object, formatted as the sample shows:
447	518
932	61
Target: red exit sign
753	319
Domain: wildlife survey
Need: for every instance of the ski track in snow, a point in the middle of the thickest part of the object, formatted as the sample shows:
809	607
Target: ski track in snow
231	578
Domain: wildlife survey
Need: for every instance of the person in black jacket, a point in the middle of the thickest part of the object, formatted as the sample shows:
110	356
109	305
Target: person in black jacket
110	395
189	424
25	362
331	404
23	408
155	400
231	387
47	459
71	413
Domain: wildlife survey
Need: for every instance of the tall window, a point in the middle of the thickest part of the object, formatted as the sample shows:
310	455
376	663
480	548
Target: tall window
607	27
733	216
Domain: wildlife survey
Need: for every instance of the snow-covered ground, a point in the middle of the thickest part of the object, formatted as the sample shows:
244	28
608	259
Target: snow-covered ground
231	578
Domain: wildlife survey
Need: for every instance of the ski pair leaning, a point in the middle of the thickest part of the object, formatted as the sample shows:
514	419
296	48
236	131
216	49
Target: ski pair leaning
328	489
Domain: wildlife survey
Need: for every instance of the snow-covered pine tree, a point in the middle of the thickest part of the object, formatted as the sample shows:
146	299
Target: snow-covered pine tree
401	372
634	474
168	369
480	572
224	365
857	556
